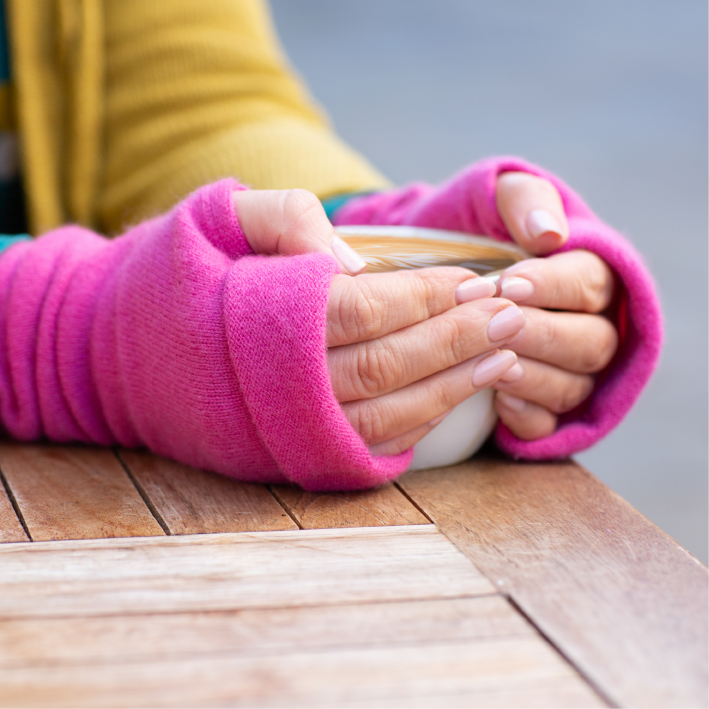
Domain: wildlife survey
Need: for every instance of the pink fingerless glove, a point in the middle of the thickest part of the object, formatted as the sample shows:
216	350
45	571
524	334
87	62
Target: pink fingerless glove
176	337
467	203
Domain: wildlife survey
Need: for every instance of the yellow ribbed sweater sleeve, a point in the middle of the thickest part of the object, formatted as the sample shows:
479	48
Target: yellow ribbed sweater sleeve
125	106
196	91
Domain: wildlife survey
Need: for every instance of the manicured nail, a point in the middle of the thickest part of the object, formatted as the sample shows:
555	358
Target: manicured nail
516	289
513	374
438	419
512	402
491	368
519	266
349	259
539	222
505	323
473	289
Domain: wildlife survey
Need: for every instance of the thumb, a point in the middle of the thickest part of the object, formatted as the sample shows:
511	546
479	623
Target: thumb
291	222
532	211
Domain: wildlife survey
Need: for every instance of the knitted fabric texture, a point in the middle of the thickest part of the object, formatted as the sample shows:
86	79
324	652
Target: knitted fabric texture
467	203
177	337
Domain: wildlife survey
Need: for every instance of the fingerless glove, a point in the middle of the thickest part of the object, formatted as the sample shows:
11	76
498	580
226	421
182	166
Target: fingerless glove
467	203
178	338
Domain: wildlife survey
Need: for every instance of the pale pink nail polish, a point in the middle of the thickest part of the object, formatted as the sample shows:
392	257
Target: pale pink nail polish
516	289
539	222
513	374
505	323
525	265
435	421
491	368
349	259
512	402
473	289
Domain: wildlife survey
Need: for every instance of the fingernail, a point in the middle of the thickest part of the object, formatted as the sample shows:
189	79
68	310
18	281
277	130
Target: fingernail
515	288
473	289
539	222
505	323
512	402
349	259
438	419
489	370
513	374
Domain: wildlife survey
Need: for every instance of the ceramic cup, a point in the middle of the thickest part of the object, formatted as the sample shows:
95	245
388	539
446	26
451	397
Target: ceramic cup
390	248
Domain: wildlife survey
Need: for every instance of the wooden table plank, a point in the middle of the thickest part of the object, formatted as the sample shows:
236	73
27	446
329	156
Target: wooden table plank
225	571
383	506
72	492
324	678
620	598
10	526
165	636
193	501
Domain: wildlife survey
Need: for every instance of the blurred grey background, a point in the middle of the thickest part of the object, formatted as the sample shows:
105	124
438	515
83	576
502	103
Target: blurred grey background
609	94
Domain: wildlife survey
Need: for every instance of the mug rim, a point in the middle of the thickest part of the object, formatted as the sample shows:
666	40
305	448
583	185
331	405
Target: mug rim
415	232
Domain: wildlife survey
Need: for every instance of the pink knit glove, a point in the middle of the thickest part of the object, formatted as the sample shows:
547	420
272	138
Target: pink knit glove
467	203
176	337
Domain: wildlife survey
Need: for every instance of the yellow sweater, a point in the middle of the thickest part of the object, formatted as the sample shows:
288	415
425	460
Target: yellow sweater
125	106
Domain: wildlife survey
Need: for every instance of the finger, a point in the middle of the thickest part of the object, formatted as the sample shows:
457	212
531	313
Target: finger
370	369
576	280
555	389
376	304
532	211
291	222
577	342
386	417
526	420
405	441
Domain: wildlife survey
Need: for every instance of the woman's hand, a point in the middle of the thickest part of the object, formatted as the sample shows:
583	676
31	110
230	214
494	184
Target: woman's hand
558	351
404	347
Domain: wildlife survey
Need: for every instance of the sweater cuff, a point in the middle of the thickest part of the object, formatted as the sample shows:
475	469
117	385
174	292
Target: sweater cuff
275	317
639	319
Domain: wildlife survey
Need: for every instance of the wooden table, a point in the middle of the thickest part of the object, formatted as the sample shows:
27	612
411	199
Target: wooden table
129	580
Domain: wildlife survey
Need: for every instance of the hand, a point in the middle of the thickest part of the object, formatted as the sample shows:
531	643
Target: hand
558	351
404	347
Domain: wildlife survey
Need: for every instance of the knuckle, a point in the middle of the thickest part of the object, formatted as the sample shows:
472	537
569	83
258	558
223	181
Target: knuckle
601	344
377	367
298	201
424	290
546	334
570	396
442	394
360	313
596	290
449	338
301	211
370	422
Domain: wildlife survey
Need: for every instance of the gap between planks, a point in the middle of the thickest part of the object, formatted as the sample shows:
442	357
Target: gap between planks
164	636
624	602
203	572
76	492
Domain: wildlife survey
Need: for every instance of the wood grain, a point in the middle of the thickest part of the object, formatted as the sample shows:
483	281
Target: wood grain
619	597
71	492
225	571
383	506
193	501
10	527
476	670
165	636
